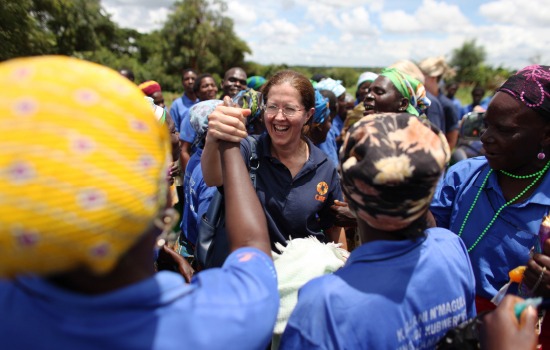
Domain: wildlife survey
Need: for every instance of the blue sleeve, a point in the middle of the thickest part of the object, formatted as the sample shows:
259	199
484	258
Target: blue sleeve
451	118
442	202
174	113
448	187
204	195
187	133
240	298
293	338
311	324
330	148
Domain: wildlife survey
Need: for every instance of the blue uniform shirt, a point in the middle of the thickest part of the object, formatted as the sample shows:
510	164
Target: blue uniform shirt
197	197
458	107
233	307
298	207
179	107
337	125
187	133
506	244
330	148
389	295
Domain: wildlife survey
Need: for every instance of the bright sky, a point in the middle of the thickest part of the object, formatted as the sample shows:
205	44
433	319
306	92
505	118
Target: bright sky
370	33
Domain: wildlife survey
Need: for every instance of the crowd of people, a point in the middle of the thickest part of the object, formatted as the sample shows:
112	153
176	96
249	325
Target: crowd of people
101	210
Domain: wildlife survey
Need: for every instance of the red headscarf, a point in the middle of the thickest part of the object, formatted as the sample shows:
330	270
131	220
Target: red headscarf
149	87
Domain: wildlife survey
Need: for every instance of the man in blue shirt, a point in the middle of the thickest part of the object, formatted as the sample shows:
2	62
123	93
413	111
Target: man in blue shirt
182	104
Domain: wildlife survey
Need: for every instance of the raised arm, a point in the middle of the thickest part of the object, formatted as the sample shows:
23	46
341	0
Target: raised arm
244	216
224	124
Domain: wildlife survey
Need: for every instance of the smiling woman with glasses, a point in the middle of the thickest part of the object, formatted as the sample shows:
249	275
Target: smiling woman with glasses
296	183
288	111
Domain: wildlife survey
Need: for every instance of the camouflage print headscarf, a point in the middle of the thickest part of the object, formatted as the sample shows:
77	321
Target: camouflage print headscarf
390	164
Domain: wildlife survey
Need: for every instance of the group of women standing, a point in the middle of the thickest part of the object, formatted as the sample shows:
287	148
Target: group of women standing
86	252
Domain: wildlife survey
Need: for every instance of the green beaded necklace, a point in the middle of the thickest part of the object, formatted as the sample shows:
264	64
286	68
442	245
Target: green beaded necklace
537	176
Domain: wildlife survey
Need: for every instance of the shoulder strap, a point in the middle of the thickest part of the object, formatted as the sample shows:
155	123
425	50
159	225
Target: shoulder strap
254	161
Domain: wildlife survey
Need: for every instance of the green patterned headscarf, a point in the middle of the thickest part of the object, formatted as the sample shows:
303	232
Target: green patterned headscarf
410	88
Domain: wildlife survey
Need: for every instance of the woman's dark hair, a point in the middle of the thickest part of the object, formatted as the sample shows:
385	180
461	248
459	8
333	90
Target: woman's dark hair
198	81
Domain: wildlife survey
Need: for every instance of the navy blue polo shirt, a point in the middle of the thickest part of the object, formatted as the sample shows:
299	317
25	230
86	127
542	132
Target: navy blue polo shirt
435	112
295	207
449	110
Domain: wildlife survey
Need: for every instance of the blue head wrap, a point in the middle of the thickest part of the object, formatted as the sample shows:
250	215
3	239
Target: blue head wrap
255	82
333	85
321	108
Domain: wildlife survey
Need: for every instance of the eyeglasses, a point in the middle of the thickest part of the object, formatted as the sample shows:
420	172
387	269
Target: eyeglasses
288	111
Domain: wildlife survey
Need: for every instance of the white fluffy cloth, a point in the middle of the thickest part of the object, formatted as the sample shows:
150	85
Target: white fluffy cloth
299	262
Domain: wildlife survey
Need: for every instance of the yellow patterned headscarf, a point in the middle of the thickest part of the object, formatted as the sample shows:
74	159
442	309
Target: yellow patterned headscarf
83	163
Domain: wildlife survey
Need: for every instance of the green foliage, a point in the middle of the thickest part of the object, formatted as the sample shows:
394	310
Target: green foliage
197	35
21	33
469	62
37	27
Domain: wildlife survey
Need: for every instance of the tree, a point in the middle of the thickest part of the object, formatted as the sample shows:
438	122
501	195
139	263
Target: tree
65	27
468	62
21	34
199	36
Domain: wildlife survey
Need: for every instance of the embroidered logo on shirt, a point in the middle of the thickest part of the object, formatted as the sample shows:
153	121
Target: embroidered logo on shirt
322	189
